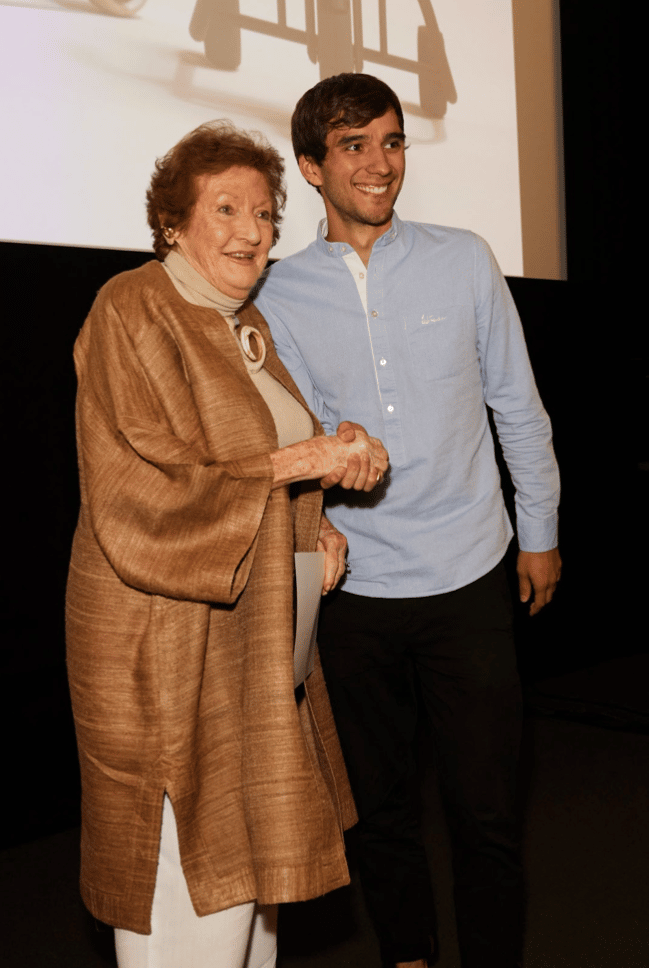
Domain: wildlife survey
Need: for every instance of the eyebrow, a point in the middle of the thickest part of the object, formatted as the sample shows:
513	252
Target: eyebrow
349	139
223	191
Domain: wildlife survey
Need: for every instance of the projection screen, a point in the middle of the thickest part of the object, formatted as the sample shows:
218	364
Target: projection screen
95	90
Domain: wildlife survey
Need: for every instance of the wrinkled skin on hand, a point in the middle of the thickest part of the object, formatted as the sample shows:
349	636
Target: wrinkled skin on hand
365	468
335	545
353	460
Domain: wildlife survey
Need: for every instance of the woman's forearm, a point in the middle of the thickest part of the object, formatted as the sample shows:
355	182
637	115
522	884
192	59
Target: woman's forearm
358	464
297	462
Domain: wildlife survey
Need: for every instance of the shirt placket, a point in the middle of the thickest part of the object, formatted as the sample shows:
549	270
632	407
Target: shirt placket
379	319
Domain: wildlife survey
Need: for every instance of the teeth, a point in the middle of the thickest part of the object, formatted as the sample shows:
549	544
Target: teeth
373	189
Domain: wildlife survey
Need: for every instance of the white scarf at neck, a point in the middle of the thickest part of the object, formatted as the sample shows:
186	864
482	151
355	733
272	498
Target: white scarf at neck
196	288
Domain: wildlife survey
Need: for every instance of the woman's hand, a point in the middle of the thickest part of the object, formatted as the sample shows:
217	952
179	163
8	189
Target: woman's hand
357	463
347	431
366	460
334	544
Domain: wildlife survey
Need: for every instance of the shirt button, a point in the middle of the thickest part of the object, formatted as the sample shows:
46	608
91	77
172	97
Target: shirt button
330	248
383	362
361	275
374	313
390	408
343	248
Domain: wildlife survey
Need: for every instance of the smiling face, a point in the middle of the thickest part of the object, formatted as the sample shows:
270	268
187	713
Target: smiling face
360	177
230	231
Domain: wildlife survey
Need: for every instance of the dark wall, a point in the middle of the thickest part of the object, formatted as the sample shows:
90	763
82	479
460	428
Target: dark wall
587	341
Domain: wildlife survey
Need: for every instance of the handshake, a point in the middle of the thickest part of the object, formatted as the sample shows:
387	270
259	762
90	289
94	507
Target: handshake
360	461
351	458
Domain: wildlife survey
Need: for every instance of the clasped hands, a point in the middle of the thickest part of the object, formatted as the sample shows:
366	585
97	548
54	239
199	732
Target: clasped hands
361	460
366	463
351	458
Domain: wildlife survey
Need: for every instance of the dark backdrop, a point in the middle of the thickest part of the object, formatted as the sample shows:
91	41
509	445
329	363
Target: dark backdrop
587	340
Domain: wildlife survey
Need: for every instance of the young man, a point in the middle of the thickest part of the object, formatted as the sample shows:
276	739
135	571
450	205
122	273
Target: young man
412	328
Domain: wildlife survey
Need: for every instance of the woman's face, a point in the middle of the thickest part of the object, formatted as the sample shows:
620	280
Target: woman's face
230	231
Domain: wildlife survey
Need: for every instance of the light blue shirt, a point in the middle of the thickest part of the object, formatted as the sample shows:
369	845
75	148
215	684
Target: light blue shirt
438	341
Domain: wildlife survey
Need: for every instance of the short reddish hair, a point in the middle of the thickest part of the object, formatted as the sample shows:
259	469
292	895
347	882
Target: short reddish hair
208	150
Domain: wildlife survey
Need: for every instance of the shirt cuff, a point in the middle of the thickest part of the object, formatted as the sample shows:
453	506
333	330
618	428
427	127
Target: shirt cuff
536	534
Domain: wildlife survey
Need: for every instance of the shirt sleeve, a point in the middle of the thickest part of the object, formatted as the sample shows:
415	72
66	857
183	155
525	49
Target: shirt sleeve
170	519
522	424
293	361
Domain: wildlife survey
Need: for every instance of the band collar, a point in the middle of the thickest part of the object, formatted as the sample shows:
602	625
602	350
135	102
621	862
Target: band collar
340	249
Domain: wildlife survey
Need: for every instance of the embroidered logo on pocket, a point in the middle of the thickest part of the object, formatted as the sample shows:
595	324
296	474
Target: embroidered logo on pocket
441	345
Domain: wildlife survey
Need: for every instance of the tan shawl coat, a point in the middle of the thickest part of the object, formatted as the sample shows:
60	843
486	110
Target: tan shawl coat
180	620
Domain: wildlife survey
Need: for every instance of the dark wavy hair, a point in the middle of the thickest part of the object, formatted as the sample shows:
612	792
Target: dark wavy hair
341	101
208	150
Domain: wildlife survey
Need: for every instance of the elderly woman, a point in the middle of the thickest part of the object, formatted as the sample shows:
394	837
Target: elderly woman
212	790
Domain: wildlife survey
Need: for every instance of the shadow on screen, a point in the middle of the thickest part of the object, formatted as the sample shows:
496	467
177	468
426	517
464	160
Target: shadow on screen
333	38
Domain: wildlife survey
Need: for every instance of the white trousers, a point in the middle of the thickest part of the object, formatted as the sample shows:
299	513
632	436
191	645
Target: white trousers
240	937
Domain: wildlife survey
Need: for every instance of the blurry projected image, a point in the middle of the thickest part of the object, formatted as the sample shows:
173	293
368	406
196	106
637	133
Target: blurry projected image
96	90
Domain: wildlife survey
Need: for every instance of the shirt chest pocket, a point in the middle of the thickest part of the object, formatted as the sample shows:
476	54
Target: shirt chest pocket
441	344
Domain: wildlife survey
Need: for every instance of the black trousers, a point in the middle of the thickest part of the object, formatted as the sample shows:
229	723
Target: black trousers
459	646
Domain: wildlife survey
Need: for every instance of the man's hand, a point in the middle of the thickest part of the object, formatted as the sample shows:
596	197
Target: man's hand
354	461
360	472
334	544
346	430
538	574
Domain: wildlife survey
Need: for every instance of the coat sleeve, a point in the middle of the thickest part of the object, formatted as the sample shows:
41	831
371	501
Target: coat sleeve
170	519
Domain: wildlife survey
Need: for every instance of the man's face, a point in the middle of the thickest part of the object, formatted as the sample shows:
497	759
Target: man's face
361	175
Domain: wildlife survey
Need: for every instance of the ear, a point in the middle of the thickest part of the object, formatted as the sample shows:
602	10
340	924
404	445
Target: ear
170	235
310	170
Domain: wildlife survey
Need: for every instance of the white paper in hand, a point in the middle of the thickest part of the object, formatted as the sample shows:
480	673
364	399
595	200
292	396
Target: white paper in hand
309	577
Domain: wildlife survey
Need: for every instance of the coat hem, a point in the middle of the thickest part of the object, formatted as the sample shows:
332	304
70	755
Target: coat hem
272	887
